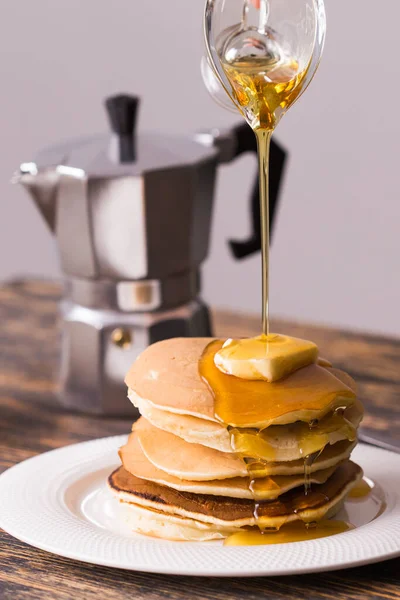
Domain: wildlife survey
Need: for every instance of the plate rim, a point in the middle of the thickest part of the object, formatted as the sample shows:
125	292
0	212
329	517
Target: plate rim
99	448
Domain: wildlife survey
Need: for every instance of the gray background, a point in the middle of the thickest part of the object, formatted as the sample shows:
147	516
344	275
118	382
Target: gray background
335	256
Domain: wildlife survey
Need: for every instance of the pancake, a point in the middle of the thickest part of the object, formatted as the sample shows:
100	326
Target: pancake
344	377
135	462
195	462
277	442
181	459
171	527
225	513
167	374
192	429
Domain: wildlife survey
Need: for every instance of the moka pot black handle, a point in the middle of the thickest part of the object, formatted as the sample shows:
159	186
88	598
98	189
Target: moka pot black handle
246	142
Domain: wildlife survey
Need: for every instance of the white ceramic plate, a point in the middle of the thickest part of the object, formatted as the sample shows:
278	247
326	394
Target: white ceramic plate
59	502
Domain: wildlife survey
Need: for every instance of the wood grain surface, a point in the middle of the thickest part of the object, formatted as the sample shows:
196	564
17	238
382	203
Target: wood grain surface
32	421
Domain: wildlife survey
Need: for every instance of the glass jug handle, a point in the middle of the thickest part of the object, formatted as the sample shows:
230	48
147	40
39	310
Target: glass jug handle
245	141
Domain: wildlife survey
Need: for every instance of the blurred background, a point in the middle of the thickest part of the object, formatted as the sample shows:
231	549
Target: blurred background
336	244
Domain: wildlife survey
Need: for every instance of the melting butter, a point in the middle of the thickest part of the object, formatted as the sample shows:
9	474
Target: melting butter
309	393
266	357
291	532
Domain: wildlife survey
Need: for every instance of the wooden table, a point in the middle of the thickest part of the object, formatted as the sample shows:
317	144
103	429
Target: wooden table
31	422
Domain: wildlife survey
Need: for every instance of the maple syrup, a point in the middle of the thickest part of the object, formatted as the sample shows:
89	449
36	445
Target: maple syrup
360	490
311	437
309	392
296	531
308	462
264	86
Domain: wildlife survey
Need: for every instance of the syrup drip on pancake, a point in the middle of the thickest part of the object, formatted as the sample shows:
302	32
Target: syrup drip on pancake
308	461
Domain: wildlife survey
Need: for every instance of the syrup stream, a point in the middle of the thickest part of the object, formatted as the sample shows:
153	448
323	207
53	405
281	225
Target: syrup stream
263	143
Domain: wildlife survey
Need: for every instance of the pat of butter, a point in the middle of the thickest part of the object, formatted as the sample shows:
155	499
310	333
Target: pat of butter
267	358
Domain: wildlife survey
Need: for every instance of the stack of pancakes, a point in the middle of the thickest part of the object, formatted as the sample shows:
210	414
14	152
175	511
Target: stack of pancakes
208	457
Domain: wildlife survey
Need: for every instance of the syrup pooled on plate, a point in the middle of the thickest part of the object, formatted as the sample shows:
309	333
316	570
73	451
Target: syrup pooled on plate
360	490
292	532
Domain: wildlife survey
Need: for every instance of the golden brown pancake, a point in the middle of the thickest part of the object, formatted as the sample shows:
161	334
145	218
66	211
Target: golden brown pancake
192	429
195	462
234	512
135	462
167	374
284	441
157	524
344	377
181	459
